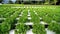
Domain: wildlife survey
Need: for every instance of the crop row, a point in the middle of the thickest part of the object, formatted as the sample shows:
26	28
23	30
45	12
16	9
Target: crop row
7	24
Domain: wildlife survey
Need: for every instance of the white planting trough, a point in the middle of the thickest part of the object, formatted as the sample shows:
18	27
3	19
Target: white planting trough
29	18
30	32
17	18
2	18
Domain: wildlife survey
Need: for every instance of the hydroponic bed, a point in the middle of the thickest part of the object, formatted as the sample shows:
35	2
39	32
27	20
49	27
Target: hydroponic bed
26	19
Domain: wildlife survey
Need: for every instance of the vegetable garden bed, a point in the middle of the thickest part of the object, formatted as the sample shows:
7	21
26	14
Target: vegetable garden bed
26	18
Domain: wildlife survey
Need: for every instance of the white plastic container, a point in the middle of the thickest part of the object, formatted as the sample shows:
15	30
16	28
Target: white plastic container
30	32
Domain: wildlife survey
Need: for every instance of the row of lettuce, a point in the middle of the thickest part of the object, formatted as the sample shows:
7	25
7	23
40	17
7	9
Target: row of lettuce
21	28
49	16
7	24
7	11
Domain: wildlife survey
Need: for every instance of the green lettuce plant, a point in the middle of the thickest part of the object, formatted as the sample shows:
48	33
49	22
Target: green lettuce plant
38	29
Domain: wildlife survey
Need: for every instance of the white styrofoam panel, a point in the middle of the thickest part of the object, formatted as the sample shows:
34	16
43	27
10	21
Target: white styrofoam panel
30	32
29	23
11	32
41	22
20	15
49	31
28	15
2	18
29	18
17	18
40	18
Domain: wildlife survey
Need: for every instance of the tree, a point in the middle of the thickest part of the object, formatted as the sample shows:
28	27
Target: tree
17	2
10	2
1	1
55	2
47	1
